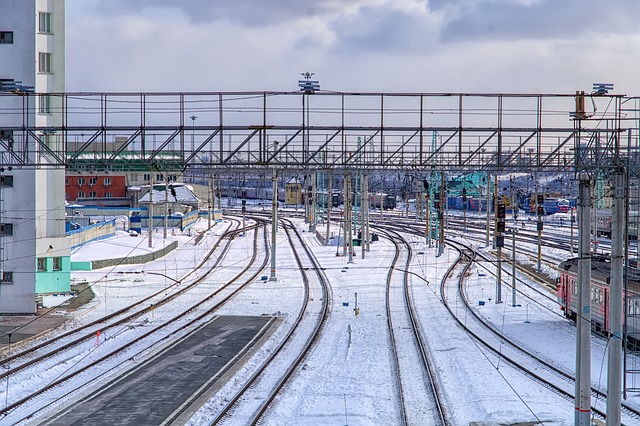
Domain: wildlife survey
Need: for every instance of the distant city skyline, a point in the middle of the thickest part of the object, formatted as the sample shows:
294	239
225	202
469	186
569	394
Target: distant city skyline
476	46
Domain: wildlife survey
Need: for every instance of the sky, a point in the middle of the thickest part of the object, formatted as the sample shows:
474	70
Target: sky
471	46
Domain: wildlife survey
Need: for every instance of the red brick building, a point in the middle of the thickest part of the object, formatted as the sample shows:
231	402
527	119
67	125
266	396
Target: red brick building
95	186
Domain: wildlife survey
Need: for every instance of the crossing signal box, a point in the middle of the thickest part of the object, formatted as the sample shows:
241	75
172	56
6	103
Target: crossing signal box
540	226
500	226
501	211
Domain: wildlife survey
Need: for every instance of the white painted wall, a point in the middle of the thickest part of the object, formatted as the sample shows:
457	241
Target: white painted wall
35	204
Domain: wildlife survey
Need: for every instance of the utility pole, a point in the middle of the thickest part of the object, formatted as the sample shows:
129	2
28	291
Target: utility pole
426	222
166	206
364	203
150	210
514	232
499	241
583	319
614	370
329	205
540	225
274	223
488	209
441	214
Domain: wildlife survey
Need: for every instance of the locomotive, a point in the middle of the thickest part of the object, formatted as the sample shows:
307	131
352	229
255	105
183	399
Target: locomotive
567	296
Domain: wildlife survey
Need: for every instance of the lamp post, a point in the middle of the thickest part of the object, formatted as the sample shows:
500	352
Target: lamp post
193	132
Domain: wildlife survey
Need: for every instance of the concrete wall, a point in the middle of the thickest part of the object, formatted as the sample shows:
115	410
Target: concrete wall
99	264
95	232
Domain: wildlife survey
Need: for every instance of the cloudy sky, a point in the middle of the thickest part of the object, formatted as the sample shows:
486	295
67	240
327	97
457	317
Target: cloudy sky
507	46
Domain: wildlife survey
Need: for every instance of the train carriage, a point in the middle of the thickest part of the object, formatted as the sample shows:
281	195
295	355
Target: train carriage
567	294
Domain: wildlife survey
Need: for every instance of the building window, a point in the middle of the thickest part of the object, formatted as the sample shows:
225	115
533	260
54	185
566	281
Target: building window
44	62
44	23
42	264
80	194
107	181
6	228
57	263
45	104
92	194
108	195
80	181
92	181
134	177
146	177
7	277
6	37
6	181
159	177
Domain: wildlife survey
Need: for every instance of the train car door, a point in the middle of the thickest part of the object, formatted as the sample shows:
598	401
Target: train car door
606	310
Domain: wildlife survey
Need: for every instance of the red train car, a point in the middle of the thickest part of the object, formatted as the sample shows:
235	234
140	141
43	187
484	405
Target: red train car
567	294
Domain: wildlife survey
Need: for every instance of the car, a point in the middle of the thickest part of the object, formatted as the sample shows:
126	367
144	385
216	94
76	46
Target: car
133	233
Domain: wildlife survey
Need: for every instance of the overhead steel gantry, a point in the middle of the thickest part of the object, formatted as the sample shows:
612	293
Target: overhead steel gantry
326	130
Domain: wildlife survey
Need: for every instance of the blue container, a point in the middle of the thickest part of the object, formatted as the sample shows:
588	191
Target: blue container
135	223
481	302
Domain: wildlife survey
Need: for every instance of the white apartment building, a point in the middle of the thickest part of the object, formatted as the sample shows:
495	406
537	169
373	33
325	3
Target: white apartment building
34	252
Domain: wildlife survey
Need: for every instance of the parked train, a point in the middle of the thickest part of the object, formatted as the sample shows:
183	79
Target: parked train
388	202
567	294
604	223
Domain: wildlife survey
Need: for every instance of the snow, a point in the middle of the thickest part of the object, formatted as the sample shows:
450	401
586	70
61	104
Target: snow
349	378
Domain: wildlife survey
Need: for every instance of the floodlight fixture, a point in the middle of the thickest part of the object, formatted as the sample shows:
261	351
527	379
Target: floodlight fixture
602	88
307	85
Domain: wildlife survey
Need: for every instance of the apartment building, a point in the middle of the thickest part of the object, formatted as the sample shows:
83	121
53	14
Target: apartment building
34	252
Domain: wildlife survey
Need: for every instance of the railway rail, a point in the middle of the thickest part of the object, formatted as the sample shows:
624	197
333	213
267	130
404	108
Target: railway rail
253	399
137	345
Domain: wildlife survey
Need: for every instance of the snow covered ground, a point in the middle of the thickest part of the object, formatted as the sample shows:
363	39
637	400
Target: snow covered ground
348	379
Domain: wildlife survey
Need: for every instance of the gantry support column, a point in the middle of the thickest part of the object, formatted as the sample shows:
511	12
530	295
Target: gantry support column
614	370
583	320
274	224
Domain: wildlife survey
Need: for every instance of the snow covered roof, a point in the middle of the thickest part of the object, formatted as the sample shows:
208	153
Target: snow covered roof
183	194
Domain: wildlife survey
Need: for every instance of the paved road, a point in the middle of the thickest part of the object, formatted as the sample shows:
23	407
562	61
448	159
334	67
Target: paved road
161	386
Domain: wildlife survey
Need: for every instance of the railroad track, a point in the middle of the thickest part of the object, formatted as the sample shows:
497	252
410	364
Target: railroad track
258	393
509	350
27	406
404	328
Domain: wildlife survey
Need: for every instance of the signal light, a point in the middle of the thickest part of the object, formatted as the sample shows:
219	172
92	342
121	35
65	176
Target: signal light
500	226
540	198
500	241
540	210
244	194
501	211
436	204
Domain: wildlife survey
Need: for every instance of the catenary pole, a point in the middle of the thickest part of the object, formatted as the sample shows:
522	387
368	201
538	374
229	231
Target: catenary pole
614	370
274	223
150	210
583	319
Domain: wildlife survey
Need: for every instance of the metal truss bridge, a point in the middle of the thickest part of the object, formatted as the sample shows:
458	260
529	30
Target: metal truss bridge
226	131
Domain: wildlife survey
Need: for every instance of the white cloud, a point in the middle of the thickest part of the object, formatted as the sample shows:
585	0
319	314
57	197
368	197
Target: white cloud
357	45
